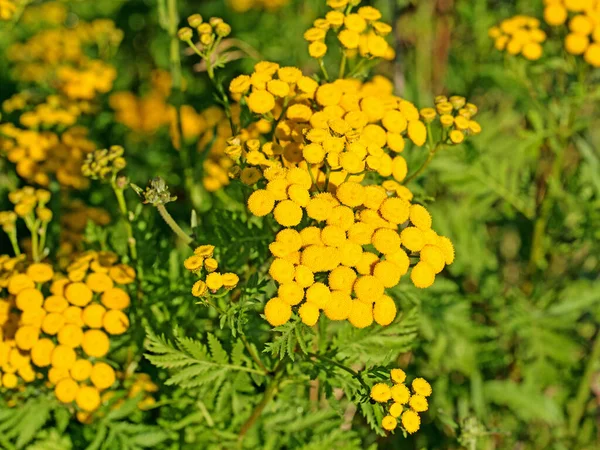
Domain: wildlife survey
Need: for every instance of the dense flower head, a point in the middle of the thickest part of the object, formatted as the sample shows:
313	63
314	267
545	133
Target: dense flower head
406	404
56	325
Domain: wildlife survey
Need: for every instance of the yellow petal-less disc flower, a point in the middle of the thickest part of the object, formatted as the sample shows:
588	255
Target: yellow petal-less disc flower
317	49
422	275
193	263
26	337
9	380
122	274
29	298
63	357
81	370
381	393
52	323
349	39
313	153
395	210
291	293
398	376
400	393
417	132
70	335
115	298
384	310
211	264
93	314
388	273
66	390
214	281
260	101
386	241
361	314
396	410
433	256
261	202
413	239
447	248
74	315
277	312
78	294
319	295
95	343
88	398
40	272
115	322
102	376
240	84
338	307
421	387
41	352
389	423
351	194
411	421
288	213
532	51
420	217
576	44
418	403
555	14
592	55
309	313
199	288
368	288
399	168
56	304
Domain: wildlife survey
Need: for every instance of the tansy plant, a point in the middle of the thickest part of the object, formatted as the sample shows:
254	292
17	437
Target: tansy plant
319	162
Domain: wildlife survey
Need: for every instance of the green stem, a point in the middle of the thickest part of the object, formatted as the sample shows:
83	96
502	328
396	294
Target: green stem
43	234
342	65
125	214
173	225
323	69
12	236
583	392
253	354
424	165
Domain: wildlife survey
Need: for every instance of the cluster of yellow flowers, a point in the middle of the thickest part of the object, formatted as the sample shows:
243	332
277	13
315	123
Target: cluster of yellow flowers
359	33
53	13
584	26
56	327
241	6
7	9
519	35
353	217
405	405
326	139
210	33
204	265
38	155
104	163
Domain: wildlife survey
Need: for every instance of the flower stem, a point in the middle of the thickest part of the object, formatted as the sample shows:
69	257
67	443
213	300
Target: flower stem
352	372
323	69
14	242
430	156
253	354
125	214
173	225
342	65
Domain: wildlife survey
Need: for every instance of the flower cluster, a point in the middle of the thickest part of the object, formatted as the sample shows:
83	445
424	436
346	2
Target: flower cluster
456	118
359	33
405	405
519	35
583	18
204	265
209	33
354	279
104	164
56	327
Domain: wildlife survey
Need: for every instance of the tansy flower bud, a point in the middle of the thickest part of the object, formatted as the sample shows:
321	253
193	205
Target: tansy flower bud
222	29
185	34
211	264
199	288
195	20
206	39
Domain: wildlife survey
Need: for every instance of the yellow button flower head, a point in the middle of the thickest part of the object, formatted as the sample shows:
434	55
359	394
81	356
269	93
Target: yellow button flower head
422	275
41	352
260	101
230	280
396	410
421	387
193	263
386	241
384	310
288	213
309	313
361	314
40	272
319	295
261	202
447	248
389	423
277	312
418	403
115	322
88	398
339	306
95	343
102	375
411	421
400	393
398	376
381	392
317	49
240	84
214	281
81	370
66	390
